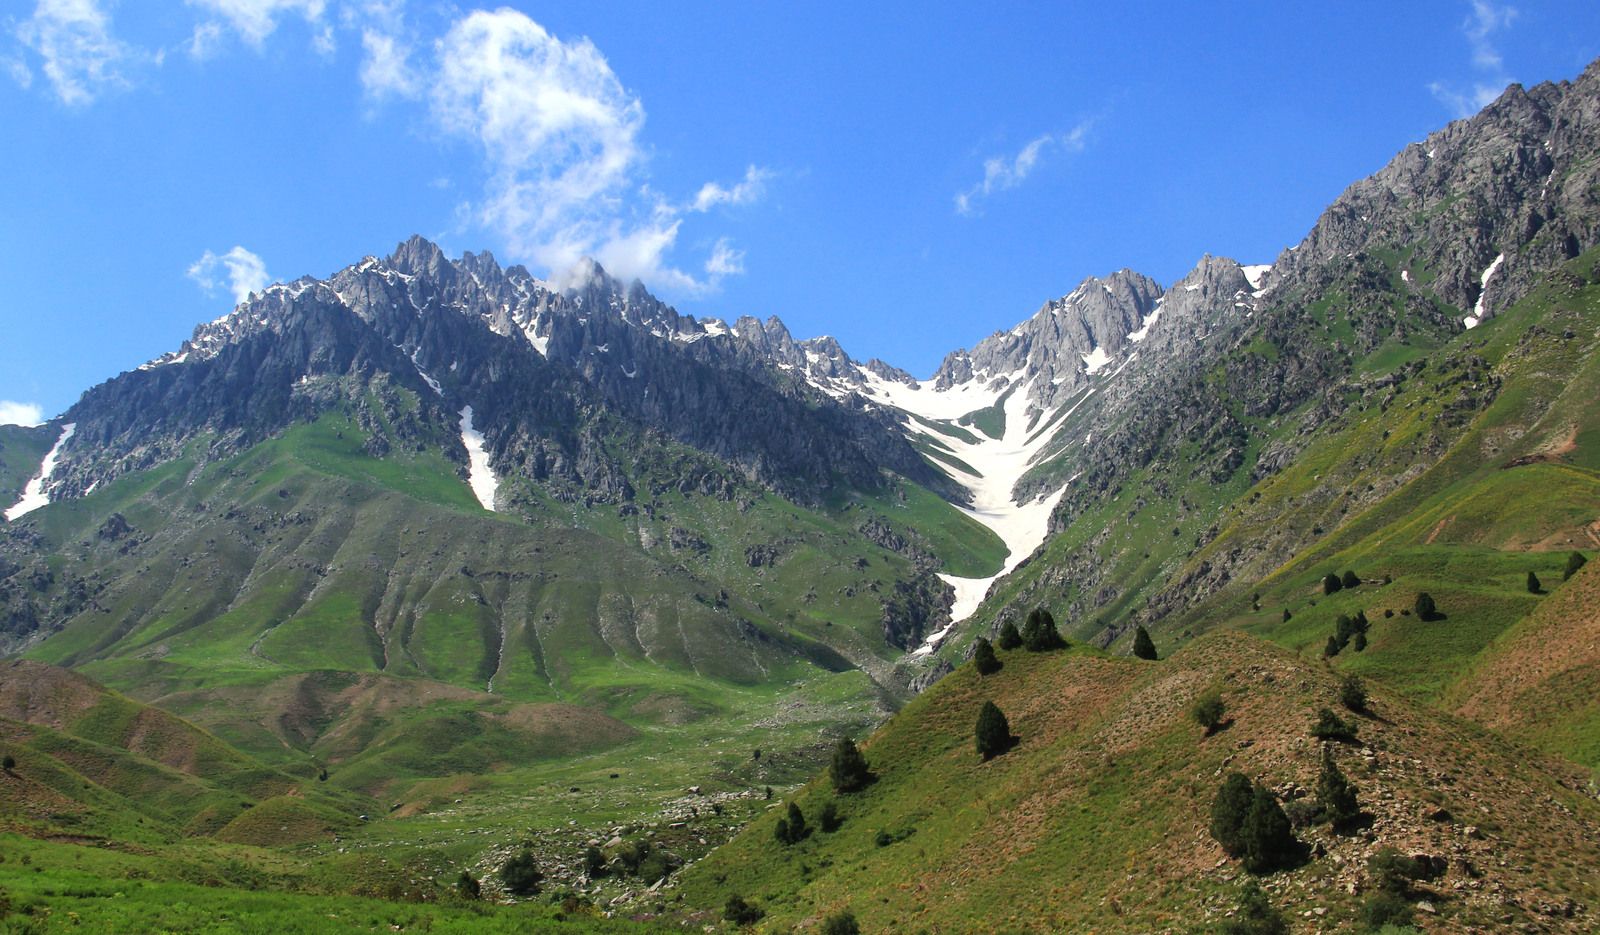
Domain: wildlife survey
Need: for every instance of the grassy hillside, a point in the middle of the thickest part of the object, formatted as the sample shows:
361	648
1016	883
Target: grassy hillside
1539	679
1096	819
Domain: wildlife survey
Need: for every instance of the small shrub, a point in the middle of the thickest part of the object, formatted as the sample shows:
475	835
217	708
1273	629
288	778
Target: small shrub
468	887
1533	583
829	818
798	829
1388	613
1286	615
1208	711
9	763
1336	797
1331	584
780	832
1256	915
1009	638
1350	581
1303	813
1330	726
984	659
848	767
1575	561
594	863
1381	909
1358	643
1143	646
1393	871
740	912
843	923
993	731
1353	693
1331	648
521	875
1425	606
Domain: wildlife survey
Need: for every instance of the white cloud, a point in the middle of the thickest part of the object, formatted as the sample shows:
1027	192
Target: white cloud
1480	26
246	273
253	21
561	136
14	413
1000	173
386	68
725	261
752	188
82	59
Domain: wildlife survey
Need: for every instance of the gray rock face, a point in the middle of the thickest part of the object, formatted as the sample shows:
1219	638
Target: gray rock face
1053	344
539	365
1516	179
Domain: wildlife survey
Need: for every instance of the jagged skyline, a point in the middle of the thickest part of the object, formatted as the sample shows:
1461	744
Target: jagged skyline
905	196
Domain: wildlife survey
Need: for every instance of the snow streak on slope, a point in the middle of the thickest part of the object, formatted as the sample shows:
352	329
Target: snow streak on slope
997	464
1483	293
33	495
482	479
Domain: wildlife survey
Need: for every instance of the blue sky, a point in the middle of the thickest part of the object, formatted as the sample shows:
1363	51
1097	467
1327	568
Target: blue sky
906	177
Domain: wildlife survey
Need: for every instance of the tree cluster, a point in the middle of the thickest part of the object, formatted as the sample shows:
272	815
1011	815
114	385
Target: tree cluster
792	827
1248	822
1039	633
1347	631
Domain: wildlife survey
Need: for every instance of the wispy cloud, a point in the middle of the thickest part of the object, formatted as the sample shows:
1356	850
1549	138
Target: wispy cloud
245	272
14	413
1480	27
565	169
1001	173
80	57
253	21
561	140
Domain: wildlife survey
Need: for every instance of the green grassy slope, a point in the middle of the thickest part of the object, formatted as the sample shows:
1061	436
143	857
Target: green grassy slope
1096	819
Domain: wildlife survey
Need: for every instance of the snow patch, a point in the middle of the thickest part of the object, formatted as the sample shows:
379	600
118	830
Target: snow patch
432	383
1150	319
1254	274
34	495
479	475
1478	310
1096	360
1405	275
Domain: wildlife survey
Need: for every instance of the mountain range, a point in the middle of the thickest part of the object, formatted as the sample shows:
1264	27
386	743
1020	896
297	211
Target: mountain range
427	518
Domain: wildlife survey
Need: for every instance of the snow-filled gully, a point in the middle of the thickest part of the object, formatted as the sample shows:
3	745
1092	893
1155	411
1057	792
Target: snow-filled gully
34	495
998	463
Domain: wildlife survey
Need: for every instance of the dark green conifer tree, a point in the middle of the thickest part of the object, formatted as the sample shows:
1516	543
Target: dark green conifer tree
1350	581
848	768
1228	808
1425	606
1575	561
983	657
993	731
1336	796
1143	646
1533	583
1331	584
1268	838
1009	638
